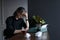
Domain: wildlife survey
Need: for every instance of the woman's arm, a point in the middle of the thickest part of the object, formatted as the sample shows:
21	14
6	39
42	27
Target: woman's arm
27	25
9	26
17	31
27	22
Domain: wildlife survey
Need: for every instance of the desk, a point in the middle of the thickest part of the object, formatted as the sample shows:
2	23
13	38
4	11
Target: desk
21	37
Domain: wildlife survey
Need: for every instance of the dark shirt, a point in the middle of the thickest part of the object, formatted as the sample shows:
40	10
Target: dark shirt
12	24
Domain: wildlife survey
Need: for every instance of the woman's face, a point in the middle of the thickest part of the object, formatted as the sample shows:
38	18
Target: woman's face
20	15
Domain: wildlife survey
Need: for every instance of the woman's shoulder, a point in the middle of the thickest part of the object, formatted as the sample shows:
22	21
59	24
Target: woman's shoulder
10	18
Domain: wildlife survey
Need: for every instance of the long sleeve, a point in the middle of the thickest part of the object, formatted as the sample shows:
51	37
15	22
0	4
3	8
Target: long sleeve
24	24
9	27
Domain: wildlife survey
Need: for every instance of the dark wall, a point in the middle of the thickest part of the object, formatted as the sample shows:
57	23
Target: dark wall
50	11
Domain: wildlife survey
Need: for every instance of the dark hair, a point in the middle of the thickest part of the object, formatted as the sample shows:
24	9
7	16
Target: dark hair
19	10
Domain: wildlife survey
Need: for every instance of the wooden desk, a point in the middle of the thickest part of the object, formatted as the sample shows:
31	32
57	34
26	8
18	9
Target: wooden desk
21	37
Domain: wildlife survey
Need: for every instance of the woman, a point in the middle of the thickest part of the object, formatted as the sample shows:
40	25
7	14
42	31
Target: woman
15	24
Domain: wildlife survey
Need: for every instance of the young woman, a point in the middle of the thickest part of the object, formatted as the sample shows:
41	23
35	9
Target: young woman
15	24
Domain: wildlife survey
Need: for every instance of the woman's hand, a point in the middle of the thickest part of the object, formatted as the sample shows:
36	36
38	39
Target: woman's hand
25	14
17	31
26	29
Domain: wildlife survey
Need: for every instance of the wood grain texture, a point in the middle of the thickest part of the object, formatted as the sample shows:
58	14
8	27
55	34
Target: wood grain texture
21	37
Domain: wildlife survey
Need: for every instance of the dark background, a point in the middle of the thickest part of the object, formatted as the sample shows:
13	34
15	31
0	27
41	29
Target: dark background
50	11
